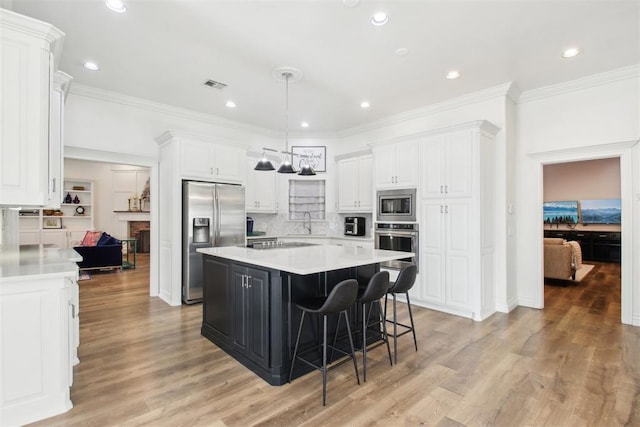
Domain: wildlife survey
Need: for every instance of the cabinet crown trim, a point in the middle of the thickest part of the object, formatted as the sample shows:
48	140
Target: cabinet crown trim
173	135
353	154
484	126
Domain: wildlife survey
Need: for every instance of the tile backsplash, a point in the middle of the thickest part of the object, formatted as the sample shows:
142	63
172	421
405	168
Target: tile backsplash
281	225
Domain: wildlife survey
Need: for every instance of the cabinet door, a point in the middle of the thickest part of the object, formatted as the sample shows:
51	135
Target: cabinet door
228	163
196	159
217	296
260	192
257	293
384	160
240	307
406	164
75	238
432	249
29	237
432	173
458	164
348	185
457	235
25	85
56	238
365	184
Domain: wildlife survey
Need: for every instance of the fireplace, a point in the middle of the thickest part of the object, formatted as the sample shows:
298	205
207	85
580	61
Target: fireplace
140	231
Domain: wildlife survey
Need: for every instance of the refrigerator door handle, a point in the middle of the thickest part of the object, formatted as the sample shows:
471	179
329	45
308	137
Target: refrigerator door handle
216	207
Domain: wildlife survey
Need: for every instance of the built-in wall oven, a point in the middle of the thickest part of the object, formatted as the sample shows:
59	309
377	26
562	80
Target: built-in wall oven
396	205
398	237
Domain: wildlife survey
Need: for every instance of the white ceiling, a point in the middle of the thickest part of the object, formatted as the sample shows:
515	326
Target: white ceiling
164	51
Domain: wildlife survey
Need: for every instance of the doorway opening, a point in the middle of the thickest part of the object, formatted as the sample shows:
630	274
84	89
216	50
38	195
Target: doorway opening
582	235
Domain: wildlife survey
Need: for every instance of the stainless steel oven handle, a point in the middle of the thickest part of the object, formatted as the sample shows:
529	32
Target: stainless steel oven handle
397	233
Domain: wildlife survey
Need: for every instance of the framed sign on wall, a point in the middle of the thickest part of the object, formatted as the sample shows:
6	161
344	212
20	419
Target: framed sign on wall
315	155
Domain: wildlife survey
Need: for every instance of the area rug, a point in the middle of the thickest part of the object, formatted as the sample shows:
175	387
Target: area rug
84	275
584	270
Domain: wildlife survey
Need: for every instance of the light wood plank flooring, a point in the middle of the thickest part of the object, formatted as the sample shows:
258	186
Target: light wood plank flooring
143	362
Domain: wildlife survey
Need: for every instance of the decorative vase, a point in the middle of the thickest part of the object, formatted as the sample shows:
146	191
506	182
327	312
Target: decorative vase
67	199
76	200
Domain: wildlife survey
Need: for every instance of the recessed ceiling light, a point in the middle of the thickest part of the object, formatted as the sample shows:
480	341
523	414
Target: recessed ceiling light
570	53
453	75
365	104
402	51
91	66
304	124
230	104
116	6
380	18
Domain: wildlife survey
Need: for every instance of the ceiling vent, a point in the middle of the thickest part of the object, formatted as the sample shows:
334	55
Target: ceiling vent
214	84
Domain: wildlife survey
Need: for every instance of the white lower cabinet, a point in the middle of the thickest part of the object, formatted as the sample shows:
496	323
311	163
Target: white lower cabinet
63	239
446	253
39	338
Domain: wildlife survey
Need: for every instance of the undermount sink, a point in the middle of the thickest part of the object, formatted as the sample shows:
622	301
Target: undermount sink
279	245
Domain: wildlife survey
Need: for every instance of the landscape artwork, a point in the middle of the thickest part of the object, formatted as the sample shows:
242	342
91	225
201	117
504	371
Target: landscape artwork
564	212
601	211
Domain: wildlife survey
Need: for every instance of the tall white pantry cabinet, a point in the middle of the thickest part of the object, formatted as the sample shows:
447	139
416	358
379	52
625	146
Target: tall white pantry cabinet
457	220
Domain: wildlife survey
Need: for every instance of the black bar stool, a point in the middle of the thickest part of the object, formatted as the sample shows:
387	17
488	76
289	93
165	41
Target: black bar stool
403	284
376	288
341	297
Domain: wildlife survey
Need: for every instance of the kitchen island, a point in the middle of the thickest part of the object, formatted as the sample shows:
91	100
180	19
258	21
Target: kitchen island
249	298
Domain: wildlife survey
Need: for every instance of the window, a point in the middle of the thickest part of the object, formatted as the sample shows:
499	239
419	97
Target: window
306	196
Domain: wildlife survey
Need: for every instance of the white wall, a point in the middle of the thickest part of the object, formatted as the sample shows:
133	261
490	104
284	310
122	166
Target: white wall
589	179
585	120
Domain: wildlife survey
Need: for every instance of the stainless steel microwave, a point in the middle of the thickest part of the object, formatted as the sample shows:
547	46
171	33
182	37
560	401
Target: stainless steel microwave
396	205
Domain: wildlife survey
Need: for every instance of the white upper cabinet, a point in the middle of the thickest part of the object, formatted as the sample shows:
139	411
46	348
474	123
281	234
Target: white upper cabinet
355	184
261	192
212	161
447	164
396	165
29	175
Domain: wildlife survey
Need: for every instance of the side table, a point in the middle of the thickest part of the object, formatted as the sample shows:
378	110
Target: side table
132	246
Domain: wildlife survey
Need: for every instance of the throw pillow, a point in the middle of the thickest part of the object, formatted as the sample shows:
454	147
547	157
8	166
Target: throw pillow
91	238
107	239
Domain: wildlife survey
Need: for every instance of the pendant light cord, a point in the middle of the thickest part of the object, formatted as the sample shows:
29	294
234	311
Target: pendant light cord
286	114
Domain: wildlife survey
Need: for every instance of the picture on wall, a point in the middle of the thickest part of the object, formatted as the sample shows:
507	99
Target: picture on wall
601	211
562	212
316	156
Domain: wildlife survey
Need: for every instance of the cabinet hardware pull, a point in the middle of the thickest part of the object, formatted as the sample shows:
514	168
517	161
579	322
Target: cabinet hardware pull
54	184
217	171
248	283
441	209
441	188
446	189
446	209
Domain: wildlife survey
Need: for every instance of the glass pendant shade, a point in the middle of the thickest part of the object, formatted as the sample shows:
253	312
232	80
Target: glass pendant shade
264	165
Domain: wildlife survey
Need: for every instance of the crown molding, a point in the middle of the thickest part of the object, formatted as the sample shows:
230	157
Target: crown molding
353	154
176	135
505	89
612	76
484	126
156	107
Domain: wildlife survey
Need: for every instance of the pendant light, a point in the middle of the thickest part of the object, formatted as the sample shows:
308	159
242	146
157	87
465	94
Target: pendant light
287	165
264	164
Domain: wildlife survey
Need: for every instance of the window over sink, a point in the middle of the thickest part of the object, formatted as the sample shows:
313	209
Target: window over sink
307	196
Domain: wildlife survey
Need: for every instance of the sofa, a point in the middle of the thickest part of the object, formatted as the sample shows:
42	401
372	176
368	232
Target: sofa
561	258
99	251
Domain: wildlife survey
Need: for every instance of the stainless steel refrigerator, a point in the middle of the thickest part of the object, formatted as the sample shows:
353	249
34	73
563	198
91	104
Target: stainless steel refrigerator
212	215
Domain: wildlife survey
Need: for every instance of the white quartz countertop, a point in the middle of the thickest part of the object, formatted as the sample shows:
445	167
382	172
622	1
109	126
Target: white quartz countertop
33	263
307	259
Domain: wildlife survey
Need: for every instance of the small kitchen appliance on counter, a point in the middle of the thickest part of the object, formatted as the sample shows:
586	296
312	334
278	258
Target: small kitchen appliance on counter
354	226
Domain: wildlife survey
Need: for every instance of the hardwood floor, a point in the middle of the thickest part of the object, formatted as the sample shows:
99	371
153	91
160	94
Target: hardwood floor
143	362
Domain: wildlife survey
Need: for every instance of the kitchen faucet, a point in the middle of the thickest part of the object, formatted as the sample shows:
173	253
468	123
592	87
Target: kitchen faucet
304	224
